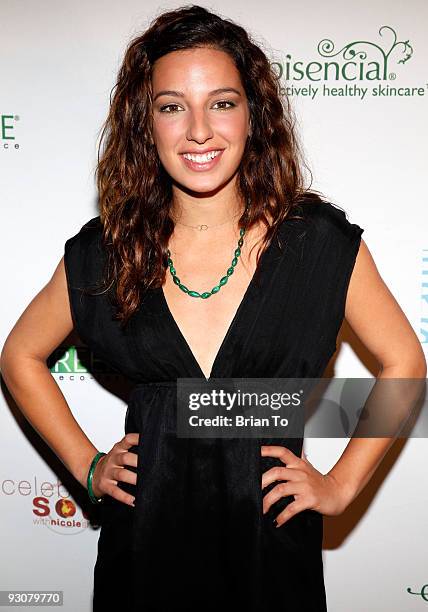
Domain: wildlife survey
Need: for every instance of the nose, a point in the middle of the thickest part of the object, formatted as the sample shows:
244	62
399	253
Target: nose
199	128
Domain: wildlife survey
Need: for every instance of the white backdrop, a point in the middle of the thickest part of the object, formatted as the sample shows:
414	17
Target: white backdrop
58	64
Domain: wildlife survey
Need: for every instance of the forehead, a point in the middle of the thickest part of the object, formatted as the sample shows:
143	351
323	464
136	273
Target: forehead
199	68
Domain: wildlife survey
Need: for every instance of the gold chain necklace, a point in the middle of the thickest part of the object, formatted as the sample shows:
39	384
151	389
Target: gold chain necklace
204	227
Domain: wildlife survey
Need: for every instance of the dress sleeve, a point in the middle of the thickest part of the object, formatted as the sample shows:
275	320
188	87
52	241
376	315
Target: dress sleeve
83	263
336	242
346	244
91	305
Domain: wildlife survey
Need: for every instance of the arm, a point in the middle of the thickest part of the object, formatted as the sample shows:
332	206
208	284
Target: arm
377	319
39	330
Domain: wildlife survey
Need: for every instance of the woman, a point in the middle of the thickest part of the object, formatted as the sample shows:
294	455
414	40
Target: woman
201	165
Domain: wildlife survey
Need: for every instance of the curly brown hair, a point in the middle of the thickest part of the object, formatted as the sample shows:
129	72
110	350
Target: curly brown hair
135	191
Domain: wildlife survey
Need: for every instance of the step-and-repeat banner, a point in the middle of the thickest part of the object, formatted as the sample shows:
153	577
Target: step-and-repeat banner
356	74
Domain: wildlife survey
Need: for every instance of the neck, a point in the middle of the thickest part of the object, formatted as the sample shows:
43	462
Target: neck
207	210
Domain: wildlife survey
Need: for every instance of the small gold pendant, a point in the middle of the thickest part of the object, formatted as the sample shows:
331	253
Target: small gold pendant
202	227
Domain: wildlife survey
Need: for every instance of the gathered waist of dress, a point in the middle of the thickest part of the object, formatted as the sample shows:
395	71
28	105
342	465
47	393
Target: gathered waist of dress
157	383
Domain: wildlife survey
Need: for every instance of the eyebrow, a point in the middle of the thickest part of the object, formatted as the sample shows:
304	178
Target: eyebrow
180	94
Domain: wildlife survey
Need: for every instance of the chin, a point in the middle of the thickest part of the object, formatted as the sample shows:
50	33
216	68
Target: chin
203	184
209	188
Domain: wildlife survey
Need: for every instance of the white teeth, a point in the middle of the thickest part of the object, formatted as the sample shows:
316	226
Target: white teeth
201	159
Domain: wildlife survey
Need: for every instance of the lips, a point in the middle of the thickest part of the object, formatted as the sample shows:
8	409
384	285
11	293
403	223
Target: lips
202	166
201	151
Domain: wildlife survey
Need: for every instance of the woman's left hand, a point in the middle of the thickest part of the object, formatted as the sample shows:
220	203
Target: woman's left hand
311	489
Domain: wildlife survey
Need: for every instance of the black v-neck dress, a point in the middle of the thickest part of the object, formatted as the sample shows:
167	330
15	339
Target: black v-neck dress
197	539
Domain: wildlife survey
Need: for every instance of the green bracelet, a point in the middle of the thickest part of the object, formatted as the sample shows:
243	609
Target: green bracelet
92	497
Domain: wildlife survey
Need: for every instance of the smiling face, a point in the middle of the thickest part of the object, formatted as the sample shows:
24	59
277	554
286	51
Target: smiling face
199	107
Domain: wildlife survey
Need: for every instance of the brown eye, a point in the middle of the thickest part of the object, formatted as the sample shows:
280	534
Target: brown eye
163	108
225	102
171	108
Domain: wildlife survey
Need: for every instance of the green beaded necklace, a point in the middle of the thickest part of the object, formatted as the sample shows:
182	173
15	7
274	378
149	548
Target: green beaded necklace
223	280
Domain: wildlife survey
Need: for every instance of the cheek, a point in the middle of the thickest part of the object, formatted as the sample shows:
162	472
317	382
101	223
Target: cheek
233	129
166	134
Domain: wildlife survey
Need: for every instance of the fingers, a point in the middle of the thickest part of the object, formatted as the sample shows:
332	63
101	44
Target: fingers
290	511
111	470
281	473
282	489
114	491
282	453
112	477
130	439
297	480
127	458
124	475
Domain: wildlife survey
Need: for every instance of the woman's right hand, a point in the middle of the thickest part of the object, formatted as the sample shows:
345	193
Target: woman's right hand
111	469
